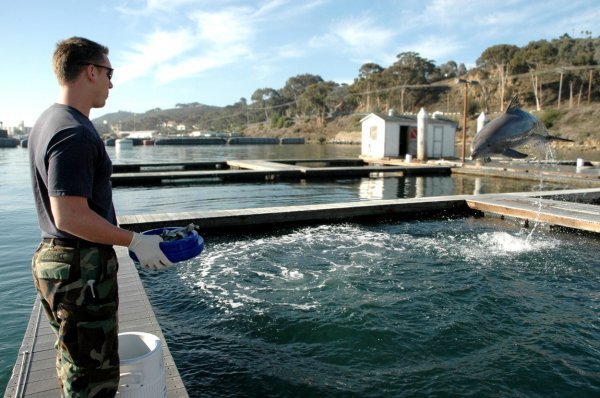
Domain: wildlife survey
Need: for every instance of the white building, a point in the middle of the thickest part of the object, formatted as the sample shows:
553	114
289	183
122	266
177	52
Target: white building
395	136
142	134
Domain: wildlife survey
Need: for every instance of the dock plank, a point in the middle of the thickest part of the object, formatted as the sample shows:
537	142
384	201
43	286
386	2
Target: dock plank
253	218
261	165
565	214
262	170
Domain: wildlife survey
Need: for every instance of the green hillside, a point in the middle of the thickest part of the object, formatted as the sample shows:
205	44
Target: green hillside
540	73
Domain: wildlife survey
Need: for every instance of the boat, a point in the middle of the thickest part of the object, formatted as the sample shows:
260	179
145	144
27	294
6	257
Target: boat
8	142
124	143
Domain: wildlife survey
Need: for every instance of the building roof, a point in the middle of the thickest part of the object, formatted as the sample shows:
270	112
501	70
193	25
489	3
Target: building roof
412	119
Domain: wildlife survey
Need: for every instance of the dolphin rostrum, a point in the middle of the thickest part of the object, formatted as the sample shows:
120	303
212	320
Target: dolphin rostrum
513	128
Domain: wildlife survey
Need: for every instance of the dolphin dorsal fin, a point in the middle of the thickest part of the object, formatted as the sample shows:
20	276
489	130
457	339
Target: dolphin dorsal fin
513	104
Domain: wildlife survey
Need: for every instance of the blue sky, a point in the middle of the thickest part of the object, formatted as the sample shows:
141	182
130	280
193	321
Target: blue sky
214	52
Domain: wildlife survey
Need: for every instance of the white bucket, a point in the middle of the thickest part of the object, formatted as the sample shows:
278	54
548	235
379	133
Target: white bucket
580	162
142	367
408	158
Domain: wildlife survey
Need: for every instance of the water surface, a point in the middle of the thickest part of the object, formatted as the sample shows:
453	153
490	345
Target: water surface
459	307
19	236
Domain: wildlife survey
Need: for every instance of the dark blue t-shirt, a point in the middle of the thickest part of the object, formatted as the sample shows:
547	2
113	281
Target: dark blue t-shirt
68	158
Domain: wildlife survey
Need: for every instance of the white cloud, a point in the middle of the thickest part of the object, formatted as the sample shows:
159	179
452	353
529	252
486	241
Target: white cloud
153	7
363	34
157	48
209	36
232	25
357	36
290	51
438	49
326	40
197	64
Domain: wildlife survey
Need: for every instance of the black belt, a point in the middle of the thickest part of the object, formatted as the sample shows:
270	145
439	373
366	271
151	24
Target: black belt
74	243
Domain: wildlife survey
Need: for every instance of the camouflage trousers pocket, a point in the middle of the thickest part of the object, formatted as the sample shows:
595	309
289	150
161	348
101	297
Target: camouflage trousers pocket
89	338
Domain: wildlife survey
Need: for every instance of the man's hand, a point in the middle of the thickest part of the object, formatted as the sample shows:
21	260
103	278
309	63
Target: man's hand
147	250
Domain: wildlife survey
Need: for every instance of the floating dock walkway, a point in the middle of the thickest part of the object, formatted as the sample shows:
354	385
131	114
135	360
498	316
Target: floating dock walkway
260	170
585	217
526	205
306	169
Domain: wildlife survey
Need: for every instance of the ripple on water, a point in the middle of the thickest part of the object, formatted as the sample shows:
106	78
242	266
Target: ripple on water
419	308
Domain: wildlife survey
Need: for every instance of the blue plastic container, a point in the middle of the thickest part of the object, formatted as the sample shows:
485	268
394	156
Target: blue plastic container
177	250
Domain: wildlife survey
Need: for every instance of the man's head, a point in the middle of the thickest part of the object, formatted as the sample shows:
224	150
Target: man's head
74	54
84	73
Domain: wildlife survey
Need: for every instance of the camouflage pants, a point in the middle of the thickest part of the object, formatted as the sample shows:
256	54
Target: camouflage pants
78	290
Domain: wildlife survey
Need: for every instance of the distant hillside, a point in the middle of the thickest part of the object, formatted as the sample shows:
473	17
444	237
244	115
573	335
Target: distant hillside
157	119
541	73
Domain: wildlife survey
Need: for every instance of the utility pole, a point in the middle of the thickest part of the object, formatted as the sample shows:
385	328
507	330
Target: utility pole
590	88
464	132
560	89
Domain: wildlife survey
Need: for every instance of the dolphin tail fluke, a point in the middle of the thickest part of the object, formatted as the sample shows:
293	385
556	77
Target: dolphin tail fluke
555	138
511	153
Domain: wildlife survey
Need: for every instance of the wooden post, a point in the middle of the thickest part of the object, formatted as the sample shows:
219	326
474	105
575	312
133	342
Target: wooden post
571	94
590	88
559	90
464	133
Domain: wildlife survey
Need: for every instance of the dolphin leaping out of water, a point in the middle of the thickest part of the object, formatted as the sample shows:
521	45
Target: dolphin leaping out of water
513	128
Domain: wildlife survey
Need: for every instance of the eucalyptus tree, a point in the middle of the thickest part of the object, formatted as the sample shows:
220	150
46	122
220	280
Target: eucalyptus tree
539	55
449	70
266	99
369	82
341	99
313	100
295	86
498	57
410	69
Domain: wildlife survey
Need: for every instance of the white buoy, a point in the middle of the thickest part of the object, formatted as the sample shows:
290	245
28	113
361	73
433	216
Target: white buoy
422	118
124	143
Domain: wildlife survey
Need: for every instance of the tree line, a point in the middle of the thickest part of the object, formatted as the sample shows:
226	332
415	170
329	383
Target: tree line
544	73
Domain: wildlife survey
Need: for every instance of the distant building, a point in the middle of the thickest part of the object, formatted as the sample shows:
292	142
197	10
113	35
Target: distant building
143	134
395	136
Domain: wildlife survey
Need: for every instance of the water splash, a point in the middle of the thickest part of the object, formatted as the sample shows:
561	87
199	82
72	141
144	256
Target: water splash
550	160
504	243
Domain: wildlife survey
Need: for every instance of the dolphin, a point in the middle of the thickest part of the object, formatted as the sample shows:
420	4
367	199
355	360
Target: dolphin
513	128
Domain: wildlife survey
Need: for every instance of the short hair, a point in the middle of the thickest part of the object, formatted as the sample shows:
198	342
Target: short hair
72	55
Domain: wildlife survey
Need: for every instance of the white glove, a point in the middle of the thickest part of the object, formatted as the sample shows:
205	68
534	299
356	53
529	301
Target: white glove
147	250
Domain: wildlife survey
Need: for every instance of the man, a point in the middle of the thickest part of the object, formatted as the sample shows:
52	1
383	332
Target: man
75	266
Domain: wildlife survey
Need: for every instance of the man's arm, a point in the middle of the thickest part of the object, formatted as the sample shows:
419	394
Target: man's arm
73	215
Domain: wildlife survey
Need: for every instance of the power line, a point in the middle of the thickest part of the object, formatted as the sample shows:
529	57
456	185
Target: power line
445	84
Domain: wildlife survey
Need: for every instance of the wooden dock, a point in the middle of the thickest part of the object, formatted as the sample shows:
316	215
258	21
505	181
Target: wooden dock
34	373
306	169
585	217
260	170
533	172
254	219
226	221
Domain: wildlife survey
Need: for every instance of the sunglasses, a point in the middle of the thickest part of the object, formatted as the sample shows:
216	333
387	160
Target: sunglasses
109	71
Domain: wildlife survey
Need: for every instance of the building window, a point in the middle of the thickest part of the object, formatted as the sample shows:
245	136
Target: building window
373	133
